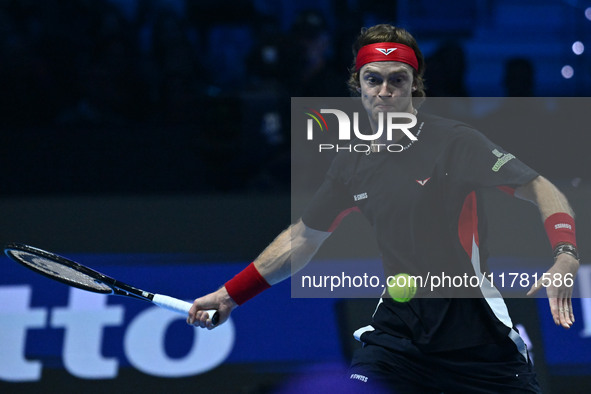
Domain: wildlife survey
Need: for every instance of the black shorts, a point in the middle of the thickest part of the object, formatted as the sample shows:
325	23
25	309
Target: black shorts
403	368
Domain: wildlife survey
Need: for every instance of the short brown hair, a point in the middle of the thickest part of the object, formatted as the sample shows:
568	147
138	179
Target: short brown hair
387	33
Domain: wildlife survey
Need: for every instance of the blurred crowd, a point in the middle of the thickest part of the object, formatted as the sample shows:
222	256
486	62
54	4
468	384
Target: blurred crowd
179	95
73	62
163	95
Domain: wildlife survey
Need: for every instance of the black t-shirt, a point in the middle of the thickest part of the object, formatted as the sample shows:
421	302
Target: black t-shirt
424	206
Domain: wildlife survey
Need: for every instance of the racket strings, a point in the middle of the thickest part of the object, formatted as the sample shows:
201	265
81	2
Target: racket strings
60	271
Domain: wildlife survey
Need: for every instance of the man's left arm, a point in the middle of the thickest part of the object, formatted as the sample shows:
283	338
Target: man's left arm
558	218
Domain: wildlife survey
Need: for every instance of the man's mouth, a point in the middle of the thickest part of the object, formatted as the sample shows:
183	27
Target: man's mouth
385	107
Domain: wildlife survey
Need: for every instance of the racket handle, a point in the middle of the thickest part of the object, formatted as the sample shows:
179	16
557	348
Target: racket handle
180	306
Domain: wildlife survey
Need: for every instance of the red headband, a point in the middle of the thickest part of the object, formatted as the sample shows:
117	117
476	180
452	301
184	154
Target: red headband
386	52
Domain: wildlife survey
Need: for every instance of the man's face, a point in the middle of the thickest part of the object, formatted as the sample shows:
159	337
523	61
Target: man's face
386	87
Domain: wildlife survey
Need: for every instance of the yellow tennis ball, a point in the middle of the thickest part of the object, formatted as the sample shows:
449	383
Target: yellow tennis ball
401	287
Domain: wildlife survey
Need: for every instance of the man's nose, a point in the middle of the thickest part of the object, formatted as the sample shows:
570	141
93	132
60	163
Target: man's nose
385	90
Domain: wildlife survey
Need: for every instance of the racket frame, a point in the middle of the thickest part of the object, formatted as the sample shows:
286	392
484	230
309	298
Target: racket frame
117	287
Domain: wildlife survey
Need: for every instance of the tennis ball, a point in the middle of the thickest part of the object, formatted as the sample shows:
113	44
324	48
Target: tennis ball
401	287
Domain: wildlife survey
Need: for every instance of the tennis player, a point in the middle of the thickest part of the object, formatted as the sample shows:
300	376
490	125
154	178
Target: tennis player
424	205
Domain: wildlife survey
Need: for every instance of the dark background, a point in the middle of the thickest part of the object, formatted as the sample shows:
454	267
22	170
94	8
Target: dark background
153	126
154	96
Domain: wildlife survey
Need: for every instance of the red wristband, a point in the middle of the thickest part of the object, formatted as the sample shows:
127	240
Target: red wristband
560	228
247	284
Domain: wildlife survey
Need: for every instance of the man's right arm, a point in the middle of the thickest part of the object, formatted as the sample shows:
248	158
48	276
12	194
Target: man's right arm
287	254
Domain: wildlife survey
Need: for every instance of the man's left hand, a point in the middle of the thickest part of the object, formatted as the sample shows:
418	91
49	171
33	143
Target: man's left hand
563	274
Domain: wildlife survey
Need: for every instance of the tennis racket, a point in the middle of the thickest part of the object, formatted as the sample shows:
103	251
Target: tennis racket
73	274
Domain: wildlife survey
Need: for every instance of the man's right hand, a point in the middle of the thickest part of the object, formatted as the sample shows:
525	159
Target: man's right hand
219	300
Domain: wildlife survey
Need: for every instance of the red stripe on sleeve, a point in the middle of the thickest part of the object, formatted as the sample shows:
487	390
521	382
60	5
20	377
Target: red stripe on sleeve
340	217
506	189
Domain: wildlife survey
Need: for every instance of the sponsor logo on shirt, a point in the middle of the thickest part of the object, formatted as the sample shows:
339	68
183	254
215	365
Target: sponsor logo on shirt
503	158
360	196
356	376
562	225
422	182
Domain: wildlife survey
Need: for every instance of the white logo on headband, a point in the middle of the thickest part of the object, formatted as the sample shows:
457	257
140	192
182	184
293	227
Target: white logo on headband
386	51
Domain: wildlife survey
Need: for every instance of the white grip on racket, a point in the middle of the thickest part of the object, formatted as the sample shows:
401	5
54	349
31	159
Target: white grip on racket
176	305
